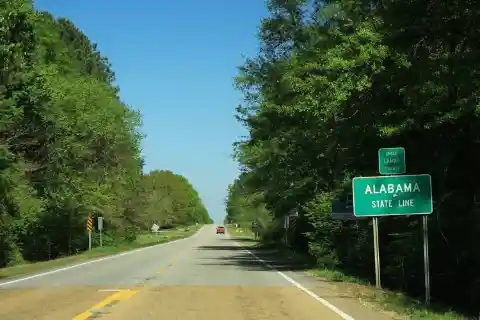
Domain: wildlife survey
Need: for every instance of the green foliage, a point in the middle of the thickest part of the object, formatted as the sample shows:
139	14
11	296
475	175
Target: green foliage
69	148
170	200
335	81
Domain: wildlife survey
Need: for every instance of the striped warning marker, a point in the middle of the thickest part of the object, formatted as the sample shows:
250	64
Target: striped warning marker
293	222
89	224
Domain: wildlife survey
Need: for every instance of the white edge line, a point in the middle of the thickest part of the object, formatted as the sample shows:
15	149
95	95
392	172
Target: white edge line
299	286
110	290
97	260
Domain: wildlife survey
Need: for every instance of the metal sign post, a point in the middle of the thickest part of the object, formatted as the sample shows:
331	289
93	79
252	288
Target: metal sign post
100	228
376	252
426	259
89	229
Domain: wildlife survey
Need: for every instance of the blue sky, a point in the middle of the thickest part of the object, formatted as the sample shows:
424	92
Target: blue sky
174	61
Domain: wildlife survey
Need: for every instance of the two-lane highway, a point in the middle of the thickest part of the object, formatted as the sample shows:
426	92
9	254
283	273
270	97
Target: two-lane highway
206	276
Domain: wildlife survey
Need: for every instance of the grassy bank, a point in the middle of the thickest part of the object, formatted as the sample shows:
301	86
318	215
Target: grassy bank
240	232
387	300
143	240
398	303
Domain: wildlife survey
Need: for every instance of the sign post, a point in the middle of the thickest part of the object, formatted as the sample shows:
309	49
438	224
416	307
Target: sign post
426	262
392	195
89	229
376	252
100	228
255	230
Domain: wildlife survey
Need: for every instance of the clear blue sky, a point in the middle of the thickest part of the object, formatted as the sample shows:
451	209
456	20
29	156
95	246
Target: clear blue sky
174	61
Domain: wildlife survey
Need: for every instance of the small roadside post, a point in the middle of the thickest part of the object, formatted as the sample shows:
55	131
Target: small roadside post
89	230
100	228
292	221
255	229
286	223
395	195
155	227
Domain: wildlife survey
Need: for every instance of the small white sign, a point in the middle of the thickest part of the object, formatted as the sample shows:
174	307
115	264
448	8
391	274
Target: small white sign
100	223
155	227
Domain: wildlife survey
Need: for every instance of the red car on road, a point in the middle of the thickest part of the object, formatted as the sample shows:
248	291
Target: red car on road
220	229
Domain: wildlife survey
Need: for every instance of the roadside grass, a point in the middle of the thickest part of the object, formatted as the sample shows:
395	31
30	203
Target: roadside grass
243	236
240	232
143	240
402	306
399	303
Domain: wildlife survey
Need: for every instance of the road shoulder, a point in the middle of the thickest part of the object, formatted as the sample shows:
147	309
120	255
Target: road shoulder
343	296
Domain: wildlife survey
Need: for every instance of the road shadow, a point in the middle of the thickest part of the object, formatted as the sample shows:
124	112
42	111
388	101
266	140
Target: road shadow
242	240
222	248
255	258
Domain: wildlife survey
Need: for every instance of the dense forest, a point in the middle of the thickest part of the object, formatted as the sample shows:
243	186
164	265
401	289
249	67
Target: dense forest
332	83
69	147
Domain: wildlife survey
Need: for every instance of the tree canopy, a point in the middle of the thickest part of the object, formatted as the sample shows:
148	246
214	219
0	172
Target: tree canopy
332	83
69	147
171	200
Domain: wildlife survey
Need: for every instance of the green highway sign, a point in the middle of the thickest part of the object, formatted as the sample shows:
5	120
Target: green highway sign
391	161
392	195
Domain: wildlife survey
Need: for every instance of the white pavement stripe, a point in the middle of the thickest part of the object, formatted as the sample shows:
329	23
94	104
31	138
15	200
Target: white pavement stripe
109	290
96	260
299	286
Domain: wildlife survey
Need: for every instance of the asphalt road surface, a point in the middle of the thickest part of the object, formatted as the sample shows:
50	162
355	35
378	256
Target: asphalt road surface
206	276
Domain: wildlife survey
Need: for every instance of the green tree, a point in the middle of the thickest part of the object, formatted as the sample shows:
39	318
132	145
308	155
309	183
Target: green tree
333	82
69	147
170	200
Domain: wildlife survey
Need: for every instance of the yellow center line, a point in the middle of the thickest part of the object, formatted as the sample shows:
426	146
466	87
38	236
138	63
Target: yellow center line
160	270
118	296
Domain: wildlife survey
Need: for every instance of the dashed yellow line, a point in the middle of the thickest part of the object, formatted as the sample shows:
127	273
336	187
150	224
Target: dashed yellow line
116	297
160	270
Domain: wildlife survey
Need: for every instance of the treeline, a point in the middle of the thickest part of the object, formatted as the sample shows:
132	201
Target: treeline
333	82
69	147
170	200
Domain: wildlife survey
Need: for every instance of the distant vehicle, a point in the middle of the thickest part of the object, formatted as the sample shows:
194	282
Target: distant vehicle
221	229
